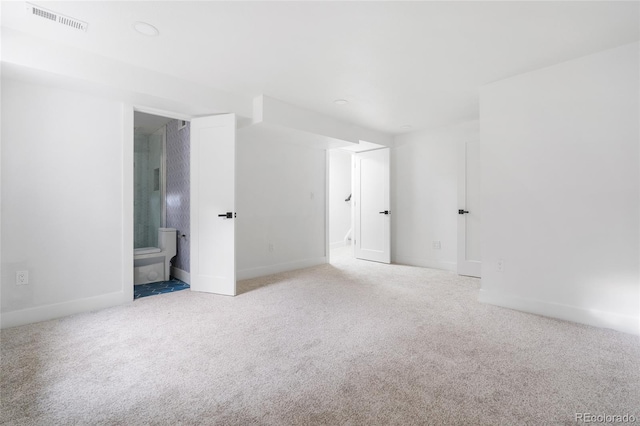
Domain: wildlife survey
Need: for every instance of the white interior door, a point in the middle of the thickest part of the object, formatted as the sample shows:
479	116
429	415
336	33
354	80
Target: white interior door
213	152
372	221
469	242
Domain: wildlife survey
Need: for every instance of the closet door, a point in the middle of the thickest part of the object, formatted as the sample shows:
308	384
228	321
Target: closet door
469	256
213	159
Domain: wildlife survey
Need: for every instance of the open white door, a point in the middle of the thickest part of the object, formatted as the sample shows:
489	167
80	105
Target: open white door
213	159
372	221
469	208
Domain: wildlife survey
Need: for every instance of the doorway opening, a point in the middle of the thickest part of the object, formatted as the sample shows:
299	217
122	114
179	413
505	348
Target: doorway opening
343	212
340	211
161	204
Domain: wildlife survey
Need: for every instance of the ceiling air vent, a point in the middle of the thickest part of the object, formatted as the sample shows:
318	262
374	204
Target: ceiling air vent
34	10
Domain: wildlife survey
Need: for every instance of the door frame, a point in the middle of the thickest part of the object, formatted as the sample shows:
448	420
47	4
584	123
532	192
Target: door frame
327	205
127	187
354	153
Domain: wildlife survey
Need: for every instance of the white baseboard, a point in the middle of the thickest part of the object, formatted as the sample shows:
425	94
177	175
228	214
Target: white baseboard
58	310
624	323
426	263
262	271
183	276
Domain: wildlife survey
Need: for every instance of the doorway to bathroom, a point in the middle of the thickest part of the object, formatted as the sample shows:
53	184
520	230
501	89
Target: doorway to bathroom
161	204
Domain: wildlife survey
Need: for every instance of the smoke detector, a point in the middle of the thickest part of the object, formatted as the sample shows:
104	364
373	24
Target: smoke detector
67	21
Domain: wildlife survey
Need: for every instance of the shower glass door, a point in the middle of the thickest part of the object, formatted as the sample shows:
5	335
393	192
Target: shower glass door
149	188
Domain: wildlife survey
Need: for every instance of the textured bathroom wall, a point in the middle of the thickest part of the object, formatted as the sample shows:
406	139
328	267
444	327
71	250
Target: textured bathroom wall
178	199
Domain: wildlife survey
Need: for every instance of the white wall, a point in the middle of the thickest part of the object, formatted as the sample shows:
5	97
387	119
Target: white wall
28	57
62	202
560	187
280	202
334	132
339	189
424	179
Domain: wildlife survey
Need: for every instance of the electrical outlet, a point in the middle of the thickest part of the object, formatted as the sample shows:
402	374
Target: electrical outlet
22	277
437	245
500	265
271	247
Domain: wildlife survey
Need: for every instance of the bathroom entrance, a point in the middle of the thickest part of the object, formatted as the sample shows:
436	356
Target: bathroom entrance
161	204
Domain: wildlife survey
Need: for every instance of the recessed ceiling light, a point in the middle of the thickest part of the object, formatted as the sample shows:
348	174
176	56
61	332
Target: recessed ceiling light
406	126
341	102
146	29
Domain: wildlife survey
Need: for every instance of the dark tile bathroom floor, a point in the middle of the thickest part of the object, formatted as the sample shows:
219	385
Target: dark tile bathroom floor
144	290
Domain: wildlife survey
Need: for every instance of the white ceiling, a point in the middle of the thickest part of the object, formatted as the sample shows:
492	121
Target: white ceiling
397	63
147	124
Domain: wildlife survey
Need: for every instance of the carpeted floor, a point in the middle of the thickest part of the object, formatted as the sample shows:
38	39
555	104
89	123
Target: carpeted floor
352	343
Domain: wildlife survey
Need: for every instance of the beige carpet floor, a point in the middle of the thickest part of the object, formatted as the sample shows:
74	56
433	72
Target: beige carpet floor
351	343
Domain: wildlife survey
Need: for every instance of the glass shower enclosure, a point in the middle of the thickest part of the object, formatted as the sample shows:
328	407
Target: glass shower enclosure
149	187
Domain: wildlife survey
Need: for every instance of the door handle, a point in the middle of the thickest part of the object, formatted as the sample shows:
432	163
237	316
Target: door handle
385	212
227	215
462	211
